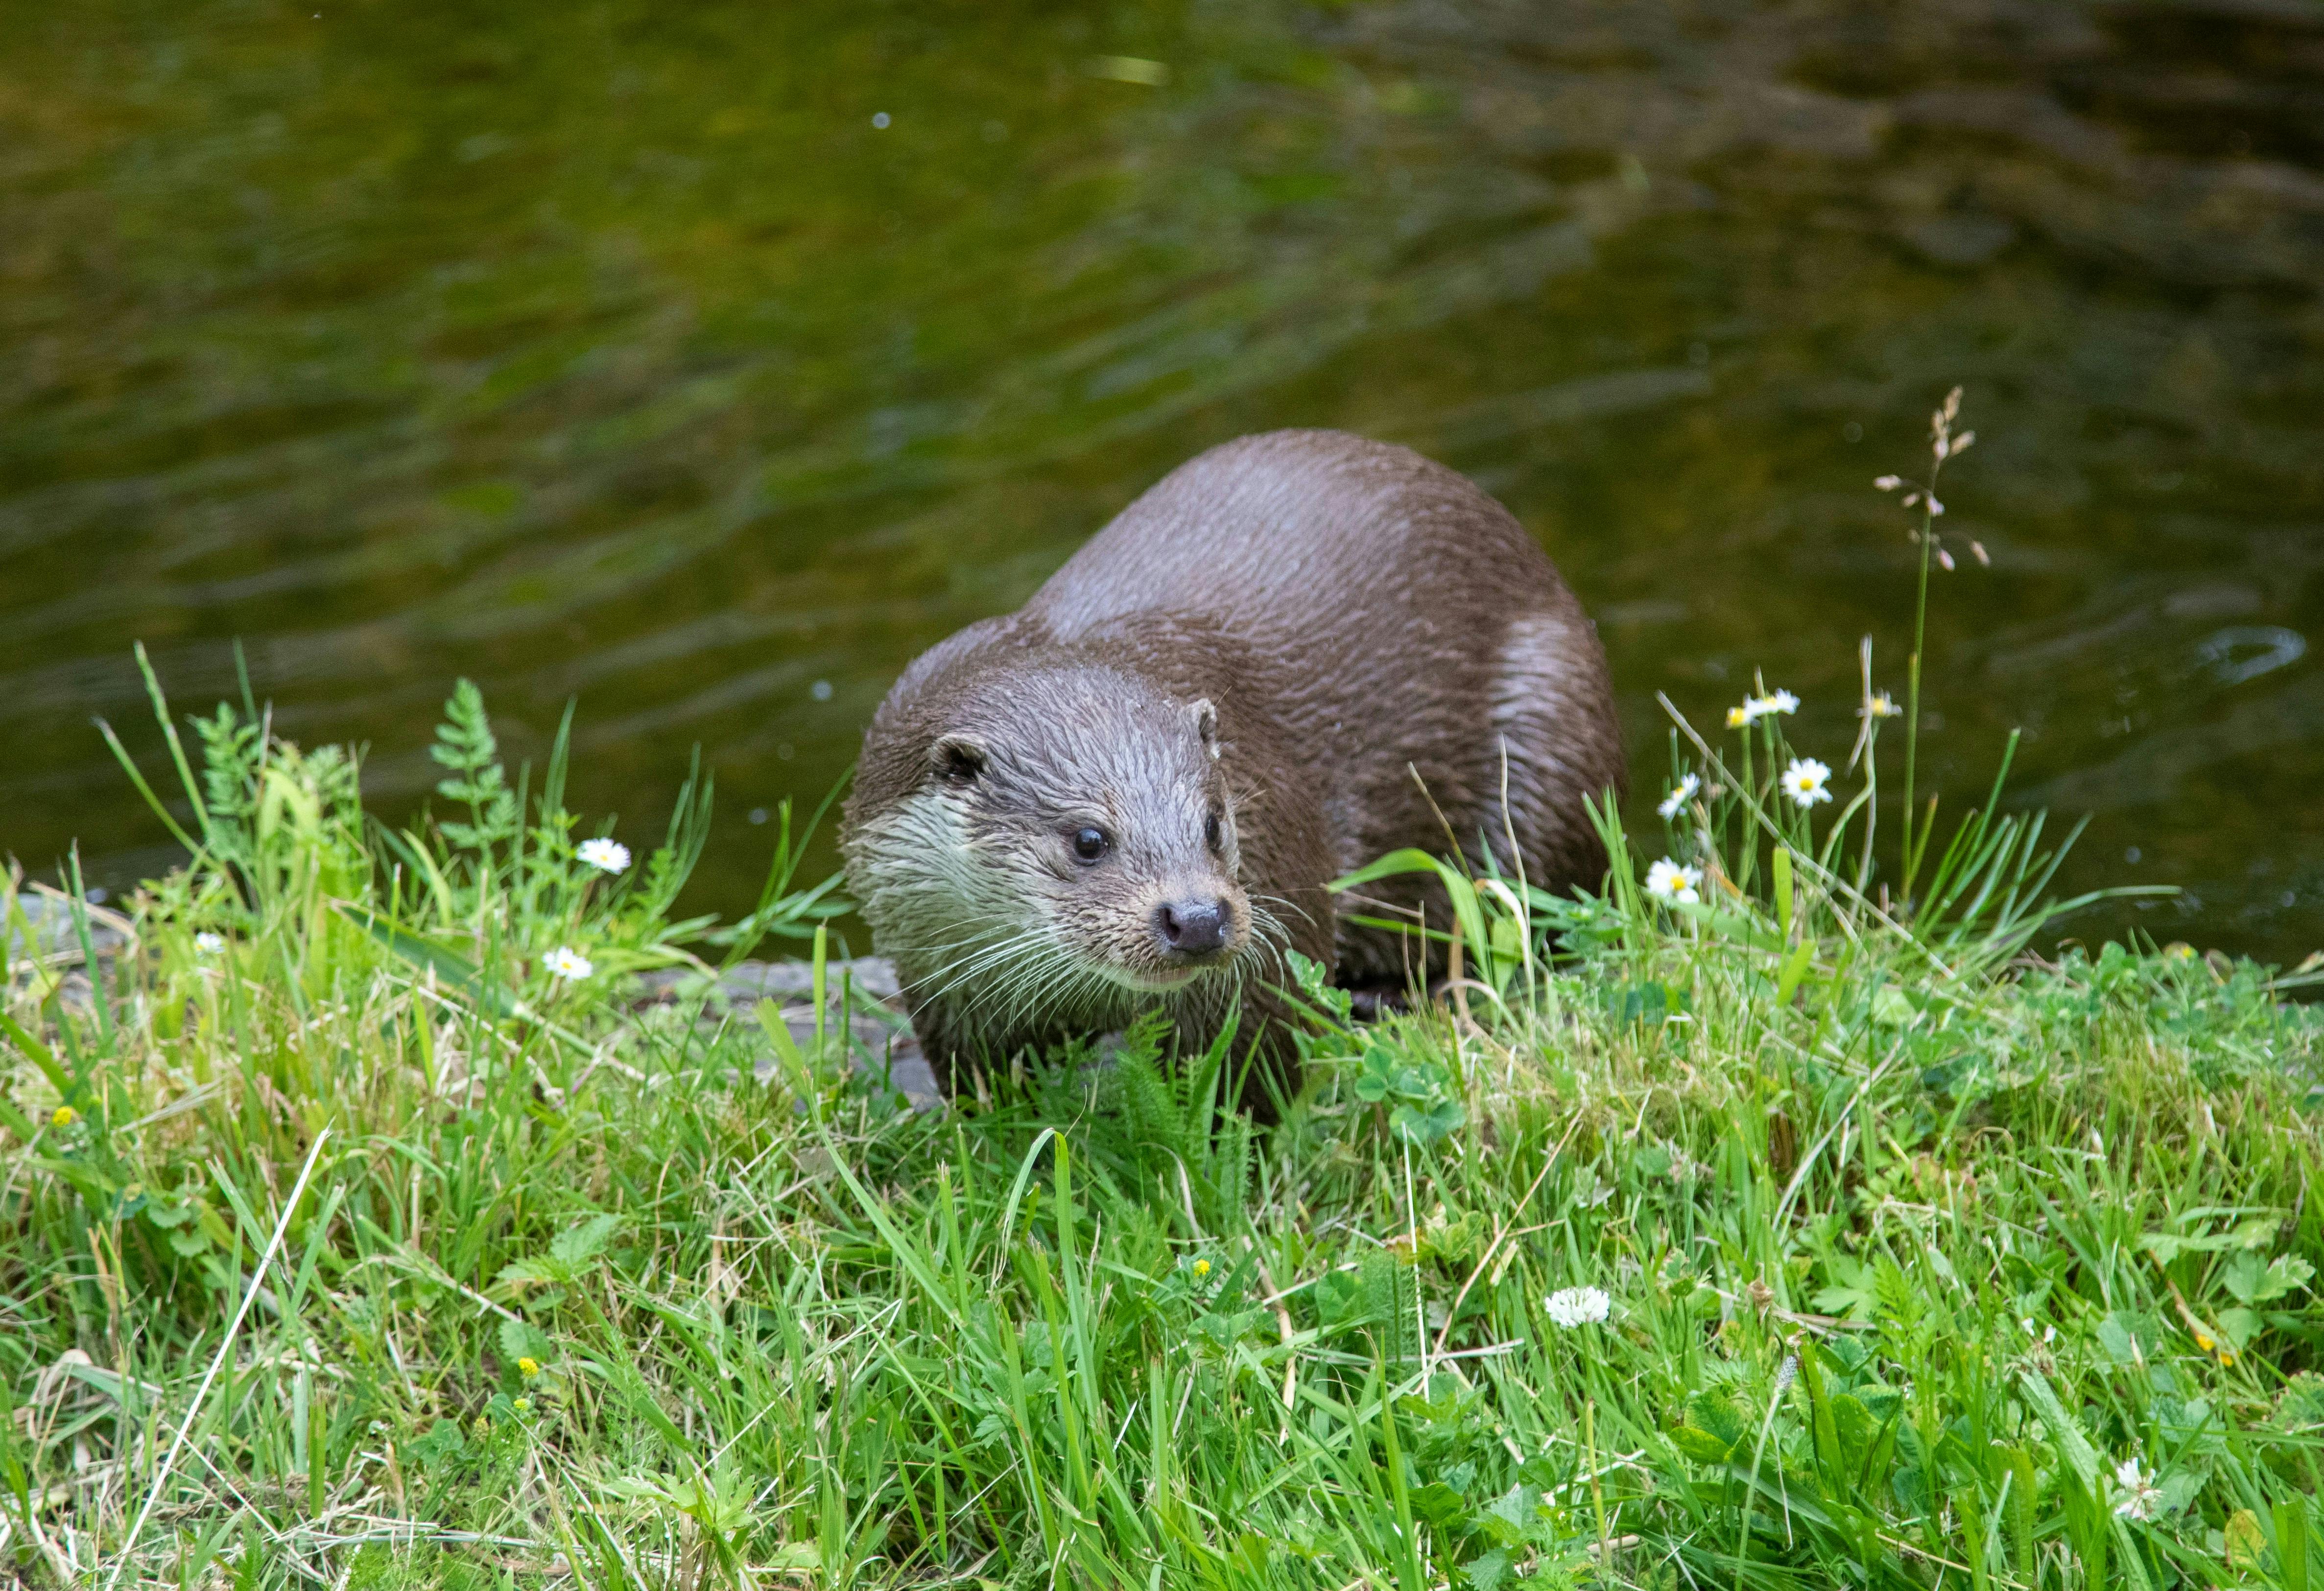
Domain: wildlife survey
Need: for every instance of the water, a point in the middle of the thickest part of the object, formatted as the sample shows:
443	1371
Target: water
618	353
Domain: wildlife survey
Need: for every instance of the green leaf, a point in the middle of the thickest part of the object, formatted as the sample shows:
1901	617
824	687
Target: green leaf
1701	1445
1856	1428
576	1245
1795	967
1854	1293
442	1444
519	1339
464	744
1510	1515
1890	1009
1428	1125
2253	1281
38	1055
1440	1506
2071	1443
1488	1572
1466	910
2291	1544
2246	1540
2129	1337
1712	1413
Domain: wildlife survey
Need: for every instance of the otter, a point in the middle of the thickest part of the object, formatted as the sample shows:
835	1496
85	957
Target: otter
1295	653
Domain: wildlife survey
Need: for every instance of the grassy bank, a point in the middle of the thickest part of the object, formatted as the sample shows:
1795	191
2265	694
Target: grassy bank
1775	1218
450	1270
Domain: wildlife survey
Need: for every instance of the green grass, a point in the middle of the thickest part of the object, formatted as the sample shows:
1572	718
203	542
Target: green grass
344	1243
1911	1241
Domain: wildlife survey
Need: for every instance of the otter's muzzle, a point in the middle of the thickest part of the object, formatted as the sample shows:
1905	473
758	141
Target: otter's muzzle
1189	929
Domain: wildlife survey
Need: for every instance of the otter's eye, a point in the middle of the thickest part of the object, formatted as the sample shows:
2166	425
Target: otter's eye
1211	832
1089	844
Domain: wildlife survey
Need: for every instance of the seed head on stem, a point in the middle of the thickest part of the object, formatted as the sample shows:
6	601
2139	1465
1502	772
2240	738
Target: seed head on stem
1943	443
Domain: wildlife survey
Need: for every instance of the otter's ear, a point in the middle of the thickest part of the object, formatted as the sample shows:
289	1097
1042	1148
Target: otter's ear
1206	724
957	759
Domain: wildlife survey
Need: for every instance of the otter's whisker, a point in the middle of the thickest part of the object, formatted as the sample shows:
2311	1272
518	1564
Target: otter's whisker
970	968
954	971
1047	993
1039	961
1006	992
974	944
1288	904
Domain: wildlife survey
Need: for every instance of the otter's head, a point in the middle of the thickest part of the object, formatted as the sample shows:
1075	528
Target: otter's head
1071	836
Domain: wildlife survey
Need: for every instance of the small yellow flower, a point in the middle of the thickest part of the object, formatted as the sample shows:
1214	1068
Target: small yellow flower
524	1405
1202	1267
2226	1357
2203	1340
65	1117
527	1367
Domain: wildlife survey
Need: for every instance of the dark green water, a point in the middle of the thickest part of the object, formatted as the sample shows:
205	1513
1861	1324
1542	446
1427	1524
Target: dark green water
614	351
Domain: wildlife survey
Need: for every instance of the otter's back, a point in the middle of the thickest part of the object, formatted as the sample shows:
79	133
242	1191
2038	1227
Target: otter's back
1391	596
1316	534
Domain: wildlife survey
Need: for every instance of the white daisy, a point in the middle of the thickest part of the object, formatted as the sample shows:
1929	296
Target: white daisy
209	943
566	963
1882	705
1675	802
1666	880
1773	702
2140	1495
1805	780
608	855
1578	1306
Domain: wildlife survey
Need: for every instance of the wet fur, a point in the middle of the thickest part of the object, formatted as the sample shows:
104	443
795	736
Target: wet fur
1354	614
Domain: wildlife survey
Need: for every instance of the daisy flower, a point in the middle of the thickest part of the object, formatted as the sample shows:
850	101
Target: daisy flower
1882	705
1666	880
2140	1495
209	943
566	963
1737	717
1675	802
1578	1306
1805	780
607	856
1774	702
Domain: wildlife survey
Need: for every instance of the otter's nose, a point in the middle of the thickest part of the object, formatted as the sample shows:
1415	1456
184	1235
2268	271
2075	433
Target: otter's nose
1192	927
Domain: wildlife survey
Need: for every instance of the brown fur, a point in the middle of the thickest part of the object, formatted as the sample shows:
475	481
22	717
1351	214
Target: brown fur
1355	614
